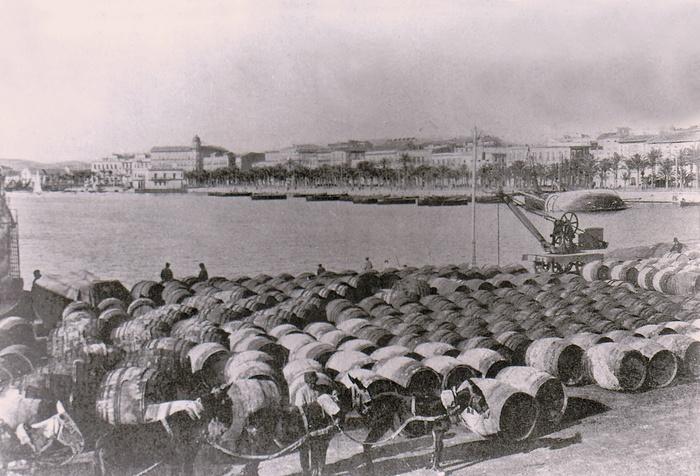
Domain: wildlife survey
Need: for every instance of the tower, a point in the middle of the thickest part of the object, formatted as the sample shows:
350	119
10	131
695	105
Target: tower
197	147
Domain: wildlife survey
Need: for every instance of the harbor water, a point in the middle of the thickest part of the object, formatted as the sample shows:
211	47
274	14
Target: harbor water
130	236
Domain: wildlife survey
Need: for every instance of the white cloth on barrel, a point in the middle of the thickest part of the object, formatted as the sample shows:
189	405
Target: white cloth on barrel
161	411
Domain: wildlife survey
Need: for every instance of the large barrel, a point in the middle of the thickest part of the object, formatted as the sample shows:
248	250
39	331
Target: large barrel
343	361
16	360
322	380
616	366
390	351
15	330
374	383
251	369
432	349
295	368
662	364
147	289
249	396
452	371
133	334
313	350
547	390
410	374
556	357
512	414
125	393
586	340
486	362
686	349
684	283
167	354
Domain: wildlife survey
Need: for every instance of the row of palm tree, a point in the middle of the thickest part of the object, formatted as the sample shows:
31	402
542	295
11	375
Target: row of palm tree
576	172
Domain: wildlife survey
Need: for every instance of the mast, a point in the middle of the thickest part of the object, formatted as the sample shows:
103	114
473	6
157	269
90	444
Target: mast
474	202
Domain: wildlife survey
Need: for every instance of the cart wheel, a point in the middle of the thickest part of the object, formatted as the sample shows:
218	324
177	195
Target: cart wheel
570	221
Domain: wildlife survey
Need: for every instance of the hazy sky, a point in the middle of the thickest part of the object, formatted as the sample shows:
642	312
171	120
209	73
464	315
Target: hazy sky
82	79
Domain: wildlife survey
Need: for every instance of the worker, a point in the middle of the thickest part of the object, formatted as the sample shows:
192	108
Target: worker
368	265
37	276
312	453
166	274
203	274
677	246
320	270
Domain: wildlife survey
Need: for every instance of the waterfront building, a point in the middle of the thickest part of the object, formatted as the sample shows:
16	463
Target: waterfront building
247	161
161	180
188	158
113	170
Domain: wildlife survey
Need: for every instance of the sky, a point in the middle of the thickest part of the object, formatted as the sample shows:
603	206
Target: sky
80	80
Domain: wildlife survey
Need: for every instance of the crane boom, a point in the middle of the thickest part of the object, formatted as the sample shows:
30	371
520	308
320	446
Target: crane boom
515	208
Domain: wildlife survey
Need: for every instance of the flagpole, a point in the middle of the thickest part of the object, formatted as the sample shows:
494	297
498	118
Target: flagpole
474	203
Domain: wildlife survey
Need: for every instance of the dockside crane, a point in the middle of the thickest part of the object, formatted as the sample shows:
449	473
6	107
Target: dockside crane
569	247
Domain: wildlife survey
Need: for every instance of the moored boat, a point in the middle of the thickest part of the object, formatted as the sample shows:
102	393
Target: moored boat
584	201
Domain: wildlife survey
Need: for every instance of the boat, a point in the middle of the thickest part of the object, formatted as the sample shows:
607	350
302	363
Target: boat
268	196
365	199
584	201
323	197
230	194
393	200
443	201
37	184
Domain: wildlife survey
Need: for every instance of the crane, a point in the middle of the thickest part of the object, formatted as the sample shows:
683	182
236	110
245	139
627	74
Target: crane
569	246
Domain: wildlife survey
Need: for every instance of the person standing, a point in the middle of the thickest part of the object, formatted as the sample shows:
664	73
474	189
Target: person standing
203	274
368	265
320	270
677	246
312	453
166	274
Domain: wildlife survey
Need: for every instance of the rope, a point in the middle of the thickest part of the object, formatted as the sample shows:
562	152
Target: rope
288	449
395	433
149	469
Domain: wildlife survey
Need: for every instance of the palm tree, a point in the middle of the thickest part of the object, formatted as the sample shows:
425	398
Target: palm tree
625	176
637	163
652	157
615	162
604	167
667	170
517	169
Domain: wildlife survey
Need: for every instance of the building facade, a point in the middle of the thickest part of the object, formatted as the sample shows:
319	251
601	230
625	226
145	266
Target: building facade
189	158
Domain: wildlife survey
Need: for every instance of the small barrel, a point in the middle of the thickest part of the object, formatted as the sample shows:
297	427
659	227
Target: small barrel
140	306
486	362
125	392
410	374
556	357
686	349
545	388
517	343
452	370
616	366
594	271
662	364
512	413
249	396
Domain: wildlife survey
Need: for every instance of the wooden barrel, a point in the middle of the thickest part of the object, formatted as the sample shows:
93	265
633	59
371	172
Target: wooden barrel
295	368
681	327
645	278
125	392
15	330
684	283
618	335
616	366
512	414
16	360
586	340
199	354
594	271
317	329
686	349
485	362
652	330
556	357
335	338
452	370
319	351
238	371
390	351
361	345
345	360
410	375
140	306
618	272
546	389
148	289
322	380
517	343
249	396
292	342
253	355
74	307
432	349
374	383
662	364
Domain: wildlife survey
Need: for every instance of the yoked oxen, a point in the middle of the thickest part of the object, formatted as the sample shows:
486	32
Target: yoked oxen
380	411
172	435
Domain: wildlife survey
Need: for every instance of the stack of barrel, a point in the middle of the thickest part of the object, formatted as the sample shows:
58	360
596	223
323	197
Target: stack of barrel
520	337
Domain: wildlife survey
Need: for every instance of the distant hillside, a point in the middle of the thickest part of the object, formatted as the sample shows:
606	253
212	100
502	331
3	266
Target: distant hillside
19	164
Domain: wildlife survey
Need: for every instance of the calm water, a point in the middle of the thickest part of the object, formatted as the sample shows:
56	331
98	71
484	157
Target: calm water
129	236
